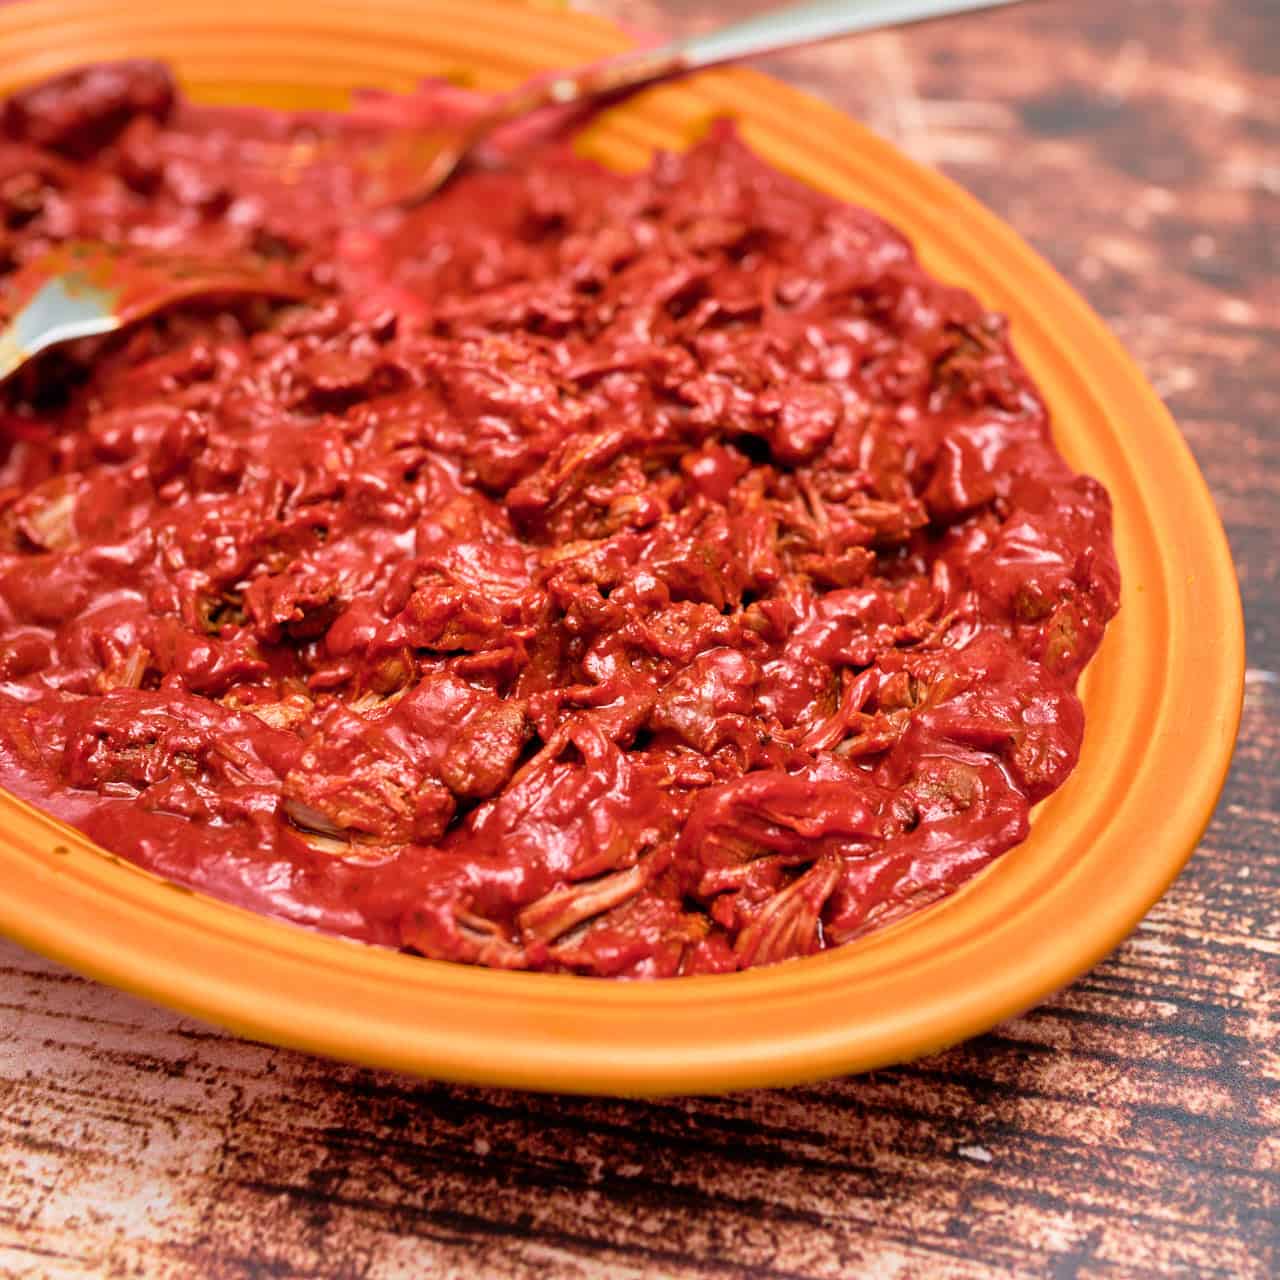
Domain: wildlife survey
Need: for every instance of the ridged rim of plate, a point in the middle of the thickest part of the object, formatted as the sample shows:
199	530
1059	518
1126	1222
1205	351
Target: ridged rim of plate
1163	696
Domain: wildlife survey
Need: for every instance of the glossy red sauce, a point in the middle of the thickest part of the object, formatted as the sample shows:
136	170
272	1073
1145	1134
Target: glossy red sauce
630	575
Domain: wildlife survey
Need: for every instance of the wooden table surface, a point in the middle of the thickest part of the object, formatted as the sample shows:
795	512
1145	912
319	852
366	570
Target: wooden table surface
1126	1128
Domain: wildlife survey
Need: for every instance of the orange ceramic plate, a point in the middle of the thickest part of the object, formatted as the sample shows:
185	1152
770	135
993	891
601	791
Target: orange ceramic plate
1163	695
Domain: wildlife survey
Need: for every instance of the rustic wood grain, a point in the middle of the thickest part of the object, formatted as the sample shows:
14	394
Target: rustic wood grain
1127	1128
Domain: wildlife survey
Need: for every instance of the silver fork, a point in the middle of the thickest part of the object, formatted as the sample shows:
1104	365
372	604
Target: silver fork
790	27
86	287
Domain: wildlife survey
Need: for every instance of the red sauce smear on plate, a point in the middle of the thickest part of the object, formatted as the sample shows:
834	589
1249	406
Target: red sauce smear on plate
623	575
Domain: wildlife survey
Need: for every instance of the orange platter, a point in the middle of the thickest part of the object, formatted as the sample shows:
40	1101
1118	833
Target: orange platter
1162	697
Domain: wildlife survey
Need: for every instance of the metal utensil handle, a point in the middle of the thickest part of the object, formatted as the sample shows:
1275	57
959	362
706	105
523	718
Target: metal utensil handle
802	24
786	28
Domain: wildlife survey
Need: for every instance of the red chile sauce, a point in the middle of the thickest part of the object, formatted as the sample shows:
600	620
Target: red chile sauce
627	575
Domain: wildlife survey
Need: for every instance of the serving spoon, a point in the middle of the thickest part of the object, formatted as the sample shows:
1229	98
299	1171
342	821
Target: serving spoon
84	288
